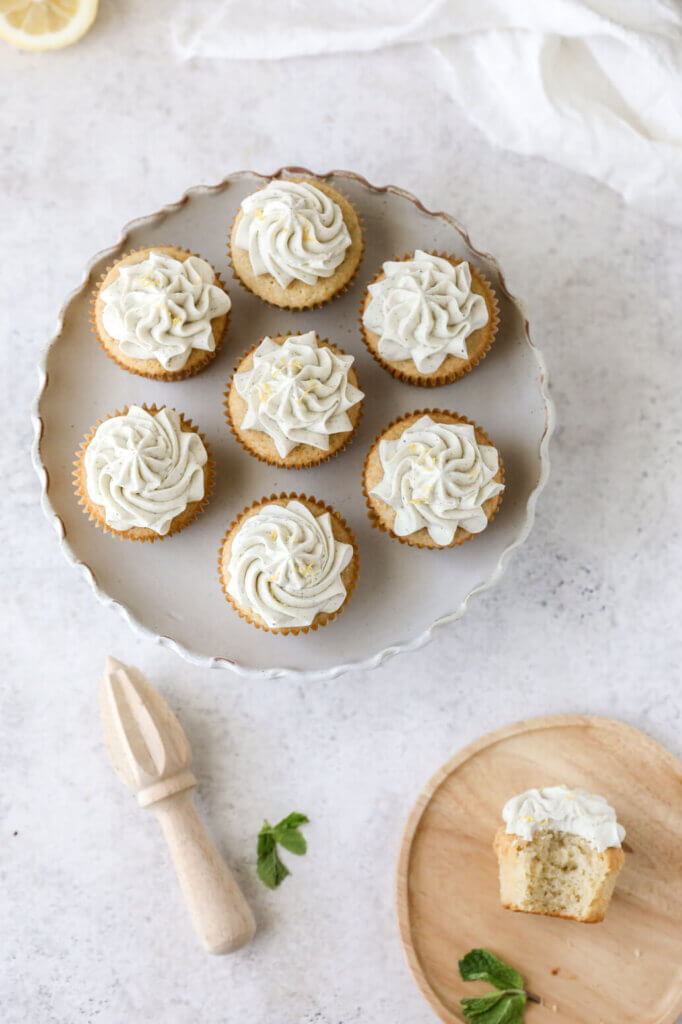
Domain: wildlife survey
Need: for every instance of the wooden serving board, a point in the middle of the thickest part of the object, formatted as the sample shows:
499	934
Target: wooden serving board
627	969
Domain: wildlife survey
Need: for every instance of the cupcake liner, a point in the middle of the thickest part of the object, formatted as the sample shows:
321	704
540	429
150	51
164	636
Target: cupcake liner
371	512
184	518
275	459
314	305
167	375
324	617
437	379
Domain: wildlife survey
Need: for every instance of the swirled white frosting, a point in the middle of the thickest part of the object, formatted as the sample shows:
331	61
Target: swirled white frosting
424	309
162	308
144	469
293	231
560	809
297	392
437	476
286	565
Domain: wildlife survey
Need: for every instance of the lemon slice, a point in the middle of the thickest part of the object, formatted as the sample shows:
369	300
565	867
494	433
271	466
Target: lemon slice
45	24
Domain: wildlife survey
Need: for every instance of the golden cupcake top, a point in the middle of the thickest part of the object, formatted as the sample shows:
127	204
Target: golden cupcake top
293	231
143	469
161	308
424	309
285	565
437	477
297	392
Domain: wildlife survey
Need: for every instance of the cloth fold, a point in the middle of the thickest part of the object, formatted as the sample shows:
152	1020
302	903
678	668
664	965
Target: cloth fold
595	85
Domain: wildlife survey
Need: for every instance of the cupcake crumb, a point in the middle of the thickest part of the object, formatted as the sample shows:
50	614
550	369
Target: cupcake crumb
555	970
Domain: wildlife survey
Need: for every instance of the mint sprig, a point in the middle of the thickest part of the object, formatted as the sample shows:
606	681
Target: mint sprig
504	1006
271	870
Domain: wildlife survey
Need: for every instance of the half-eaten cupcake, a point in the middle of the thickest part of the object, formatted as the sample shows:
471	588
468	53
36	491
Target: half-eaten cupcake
559	853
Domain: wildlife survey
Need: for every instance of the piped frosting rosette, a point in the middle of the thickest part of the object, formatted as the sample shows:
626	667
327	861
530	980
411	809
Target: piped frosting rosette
143	473
429	318
297	392
296	243
285	564
162	307
292	231
435	478
423	309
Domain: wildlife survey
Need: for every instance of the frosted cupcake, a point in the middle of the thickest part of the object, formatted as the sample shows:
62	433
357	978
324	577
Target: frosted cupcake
296	243
288	564
294	401
161	313
429	318
433	480
143	474
559	853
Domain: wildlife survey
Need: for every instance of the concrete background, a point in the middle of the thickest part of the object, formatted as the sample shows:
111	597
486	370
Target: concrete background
586	619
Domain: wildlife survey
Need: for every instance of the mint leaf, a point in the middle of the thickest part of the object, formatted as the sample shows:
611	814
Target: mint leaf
292	821
270	868
292	840
504	1006
271	871
479	1004
515	1007
482	965
287	834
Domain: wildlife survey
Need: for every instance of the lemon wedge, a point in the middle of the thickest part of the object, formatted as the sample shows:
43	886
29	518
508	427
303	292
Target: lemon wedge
45	24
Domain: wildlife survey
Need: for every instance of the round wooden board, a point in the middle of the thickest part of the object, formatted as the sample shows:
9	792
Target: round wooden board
627	969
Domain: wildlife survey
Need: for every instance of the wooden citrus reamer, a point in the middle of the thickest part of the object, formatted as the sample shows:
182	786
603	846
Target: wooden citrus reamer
150	753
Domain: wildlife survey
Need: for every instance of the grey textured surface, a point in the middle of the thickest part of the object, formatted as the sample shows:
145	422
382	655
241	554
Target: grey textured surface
586	618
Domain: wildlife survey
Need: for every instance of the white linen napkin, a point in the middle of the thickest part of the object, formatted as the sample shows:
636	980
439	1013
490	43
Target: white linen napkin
595	85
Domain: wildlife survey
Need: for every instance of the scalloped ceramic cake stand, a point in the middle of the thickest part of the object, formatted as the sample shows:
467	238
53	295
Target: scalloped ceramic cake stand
170	592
